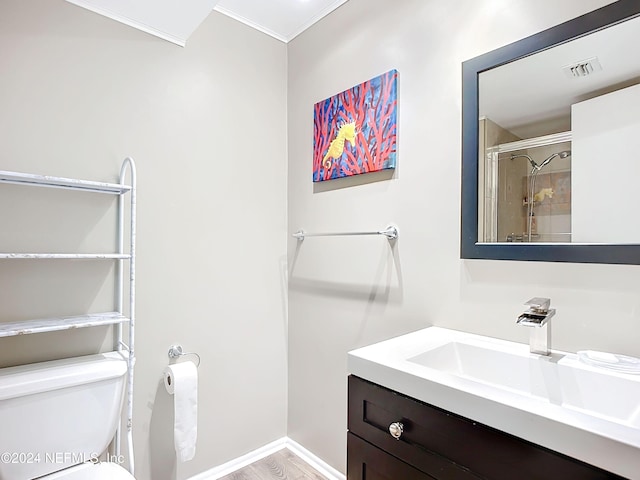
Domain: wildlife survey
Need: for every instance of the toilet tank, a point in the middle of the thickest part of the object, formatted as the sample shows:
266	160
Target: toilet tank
59	413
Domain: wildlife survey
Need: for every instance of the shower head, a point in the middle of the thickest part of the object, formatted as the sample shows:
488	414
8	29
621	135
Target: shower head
522	155
535	167
563	154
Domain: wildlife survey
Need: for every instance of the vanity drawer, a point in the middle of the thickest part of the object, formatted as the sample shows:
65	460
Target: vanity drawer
447	446
366	462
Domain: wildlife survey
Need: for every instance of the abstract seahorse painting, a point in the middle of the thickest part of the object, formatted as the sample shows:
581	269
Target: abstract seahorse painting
355	131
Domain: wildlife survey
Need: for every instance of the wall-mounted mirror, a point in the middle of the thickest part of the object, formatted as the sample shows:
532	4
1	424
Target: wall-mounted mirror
551	144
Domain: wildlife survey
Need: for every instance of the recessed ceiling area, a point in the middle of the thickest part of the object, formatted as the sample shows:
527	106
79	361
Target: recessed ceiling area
282	19
171	20
176	20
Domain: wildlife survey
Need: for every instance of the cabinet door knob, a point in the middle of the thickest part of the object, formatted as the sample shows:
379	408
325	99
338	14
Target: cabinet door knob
396	429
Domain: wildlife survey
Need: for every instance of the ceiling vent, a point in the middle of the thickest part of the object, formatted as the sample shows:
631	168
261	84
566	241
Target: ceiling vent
582	68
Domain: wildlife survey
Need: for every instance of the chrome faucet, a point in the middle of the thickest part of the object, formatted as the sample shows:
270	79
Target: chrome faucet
537	317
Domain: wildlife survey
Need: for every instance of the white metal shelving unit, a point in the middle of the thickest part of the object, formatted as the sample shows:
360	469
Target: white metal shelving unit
123	254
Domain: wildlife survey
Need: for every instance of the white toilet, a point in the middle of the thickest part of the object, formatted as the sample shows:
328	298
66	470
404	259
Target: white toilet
57	417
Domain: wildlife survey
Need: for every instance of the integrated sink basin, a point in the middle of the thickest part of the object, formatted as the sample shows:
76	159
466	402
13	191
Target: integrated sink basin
559	379
586	412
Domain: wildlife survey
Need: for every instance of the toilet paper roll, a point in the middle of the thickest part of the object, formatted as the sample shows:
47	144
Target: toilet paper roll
181	381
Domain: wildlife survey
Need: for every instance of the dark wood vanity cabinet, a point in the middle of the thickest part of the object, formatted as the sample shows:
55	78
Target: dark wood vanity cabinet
436	444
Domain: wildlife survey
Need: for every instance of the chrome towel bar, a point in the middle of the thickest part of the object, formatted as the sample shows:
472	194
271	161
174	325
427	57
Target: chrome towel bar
391	232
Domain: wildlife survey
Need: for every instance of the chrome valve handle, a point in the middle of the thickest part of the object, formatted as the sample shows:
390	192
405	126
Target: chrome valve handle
396	429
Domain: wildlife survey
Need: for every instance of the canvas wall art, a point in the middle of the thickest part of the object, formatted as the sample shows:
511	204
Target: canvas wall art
355	131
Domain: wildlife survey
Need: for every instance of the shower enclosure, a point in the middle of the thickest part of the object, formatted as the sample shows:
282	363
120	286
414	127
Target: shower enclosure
527	191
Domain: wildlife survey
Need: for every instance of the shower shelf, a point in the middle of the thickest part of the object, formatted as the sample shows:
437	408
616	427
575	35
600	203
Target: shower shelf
26	327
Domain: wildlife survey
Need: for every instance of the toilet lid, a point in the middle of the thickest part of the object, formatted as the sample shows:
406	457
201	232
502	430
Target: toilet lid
91	471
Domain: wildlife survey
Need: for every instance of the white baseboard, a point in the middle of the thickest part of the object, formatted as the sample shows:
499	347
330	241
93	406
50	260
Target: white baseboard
240	462
313	460
236	464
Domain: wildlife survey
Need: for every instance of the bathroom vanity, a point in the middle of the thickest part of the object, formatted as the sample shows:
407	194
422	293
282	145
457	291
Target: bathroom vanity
441	404
436	444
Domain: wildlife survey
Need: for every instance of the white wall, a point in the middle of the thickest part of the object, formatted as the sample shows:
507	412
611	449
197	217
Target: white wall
605	168
206	125
348	292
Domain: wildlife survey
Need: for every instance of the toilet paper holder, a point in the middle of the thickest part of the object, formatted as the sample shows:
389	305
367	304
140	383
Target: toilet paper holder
175	352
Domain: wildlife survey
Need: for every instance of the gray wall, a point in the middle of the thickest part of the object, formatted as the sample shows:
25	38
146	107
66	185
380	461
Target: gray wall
348	292
206	125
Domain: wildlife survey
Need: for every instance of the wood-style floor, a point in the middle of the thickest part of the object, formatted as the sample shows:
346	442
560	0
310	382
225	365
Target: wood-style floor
282	465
